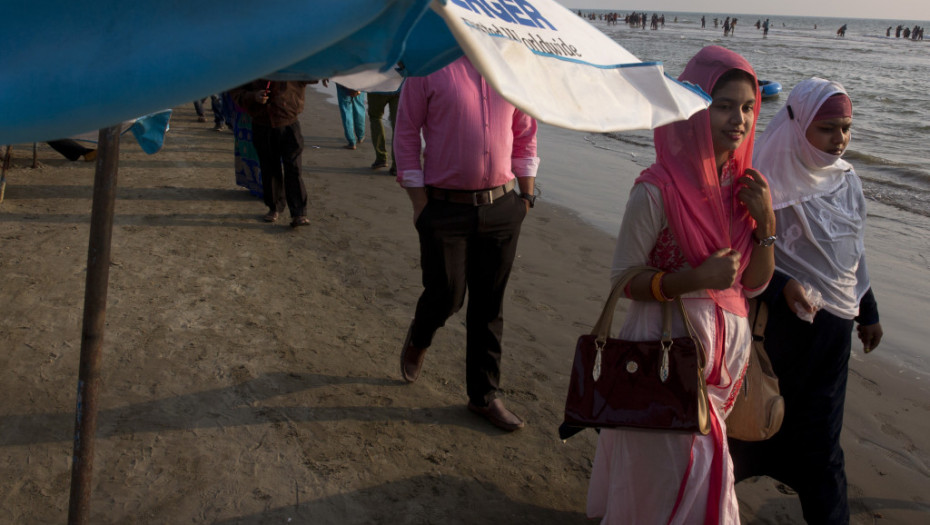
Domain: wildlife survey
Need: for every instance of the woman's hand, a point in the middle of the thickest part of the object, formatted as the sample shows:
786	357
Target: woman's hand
870	335
719	271
797	299
754	194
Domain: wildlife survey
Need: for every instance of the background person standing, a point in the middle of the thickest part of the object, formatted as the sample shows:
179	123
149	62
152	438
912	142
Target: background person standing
376	104
279	143
352	113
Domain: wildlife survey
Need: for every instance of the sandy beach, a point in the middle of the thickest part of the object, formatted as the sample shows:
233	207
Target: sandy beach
251	371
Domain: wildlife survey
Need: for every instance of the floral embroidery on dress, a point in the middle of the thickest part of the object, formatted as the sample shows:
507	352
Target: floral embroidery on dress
666	254
737	388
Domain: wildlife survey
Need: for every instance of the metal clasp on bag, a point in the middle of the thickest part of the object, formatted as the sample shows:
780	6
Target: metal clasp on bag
666	346
596	373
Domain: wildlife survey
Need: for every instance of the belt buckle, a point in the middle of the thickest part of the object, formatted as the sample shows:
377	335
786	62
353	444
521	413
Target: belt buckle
474	197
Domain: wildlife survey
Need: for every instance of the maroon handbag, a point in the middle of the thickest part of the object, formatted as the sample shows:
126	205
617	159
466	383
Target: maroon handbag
655	385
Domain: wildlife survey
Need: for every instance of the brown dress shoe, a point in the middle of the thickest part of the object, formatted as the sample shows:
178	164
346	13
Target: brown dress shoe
411	358
498	415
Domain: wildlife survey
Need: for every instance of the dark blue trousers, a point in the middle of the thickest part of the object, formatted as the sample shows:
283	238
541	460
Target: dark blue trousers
812	364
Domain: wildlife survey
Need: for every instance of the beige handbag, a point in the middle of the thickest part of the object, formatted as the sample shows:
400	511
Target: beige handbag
759	408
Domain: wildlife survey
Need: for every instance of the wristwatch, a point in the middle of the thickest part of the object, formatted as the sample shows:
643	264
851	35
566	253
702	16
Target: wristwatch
529	198
768	241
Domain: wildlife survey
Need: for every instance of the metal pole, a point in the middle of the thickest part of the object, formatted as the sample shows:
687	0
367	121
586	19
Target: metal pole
95	309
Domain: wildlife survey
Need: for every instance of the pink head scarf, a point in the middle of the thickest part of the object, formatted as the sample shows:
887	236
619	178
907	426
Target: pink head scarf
701	216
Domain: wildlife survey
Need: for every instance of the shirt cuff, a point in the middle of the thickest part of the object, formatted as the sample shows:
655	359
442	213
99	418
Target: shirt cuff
525	167
410	178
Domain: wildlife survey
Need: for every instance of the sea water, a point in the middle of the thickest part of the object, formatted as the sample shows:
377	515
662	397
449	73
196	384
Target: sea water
888	80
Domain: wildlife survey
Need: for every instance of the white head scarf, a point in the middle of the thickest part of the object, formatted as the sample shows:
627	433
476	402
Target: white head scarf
818	201
784	148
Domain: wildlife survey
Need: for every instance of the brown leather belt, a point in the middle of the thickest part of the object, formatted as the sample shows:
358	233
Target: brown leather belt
472	198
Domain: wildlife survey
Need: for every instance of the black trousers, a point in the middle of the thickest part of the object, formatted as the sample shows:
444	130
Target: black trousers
812	364
279	156
69	148
465	247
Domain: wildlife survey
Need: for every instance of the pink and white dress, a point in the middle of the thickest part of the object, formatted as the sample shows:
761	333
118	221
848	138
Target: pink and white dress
642	476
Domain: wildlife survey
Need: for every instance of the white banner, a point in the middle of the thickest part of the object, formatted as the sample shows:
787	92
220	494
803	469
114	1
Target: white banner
553	65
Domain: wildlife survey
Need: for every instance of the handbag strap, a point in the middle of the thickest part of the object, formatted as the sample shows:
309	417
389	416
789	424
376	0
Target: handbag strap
758	316
602	328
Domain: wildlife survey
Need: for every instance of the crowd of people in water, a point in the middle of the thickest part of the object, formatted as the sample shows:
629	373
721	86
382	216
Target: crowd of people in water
728	24
903	31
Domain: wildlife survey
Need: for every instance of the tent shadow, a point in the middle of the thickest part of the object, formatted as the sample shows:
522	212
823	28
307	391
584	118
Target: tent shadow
190	220
427	498
163	193
239	405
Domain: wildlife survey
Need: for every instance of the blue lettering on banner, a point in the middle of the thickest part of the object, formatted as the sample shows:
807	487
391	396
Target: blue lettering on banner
500	12
534	14
512	11
517	13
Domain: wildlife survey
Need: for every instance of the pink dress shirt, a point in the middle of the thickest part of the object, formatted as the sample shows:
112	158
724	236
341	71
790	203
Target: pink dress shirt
474	138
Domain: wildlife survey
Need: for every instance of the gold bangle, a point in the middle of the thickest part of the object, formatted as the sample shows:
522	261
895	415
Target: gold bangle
656	286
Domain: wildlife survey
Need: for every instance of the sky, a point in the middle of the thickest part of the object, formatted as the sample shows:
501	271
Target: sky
889	9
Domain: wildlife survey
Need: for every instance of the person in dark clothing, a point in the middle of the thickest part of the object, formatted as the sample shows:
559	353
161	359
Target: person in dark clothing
279	143
820	291
377	102
220	121
72	149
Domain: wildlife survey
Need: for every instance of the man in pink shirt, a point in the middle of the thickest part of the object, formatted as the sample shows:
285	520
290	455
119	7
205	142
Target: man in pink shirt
478	147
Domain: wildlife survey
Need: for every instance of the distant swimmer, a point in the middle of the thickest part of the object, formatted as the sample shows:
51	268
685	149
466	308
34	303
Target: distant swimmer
841	32
765	28
888	32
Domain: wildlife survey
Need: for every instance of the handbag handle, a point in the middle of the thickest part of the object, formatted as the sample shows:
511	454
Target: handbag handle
601	329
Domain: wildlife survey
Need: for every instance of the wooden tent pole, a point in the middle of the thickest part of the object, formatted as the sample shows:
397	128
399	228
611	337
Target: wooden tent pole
3	169
95	307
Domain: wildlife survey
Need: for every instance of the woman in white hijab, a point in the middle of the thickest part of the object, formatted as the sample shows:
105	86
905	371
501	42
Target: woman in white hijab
820	273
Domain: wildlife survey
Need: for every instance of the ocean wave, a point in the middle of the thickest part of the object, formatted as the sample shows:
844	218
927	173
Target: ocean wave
903	199
872	160
630	138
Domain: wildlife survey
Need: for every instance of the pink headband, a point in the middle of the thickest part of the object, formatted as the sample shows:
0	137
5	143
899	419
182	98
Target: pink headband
837	106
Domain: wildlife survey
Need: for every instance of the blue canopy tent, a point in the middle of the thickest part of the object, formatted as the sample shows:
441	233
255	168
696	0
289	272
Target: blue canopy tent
74	66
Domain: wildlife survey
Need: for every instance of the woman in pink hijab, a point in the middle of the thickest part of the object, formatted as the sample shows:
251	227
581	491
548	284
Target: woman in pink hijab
704	217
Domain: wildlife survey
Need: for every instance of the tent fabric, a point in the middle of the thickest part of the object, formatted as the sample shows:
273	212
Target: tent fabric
73	66
70	66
